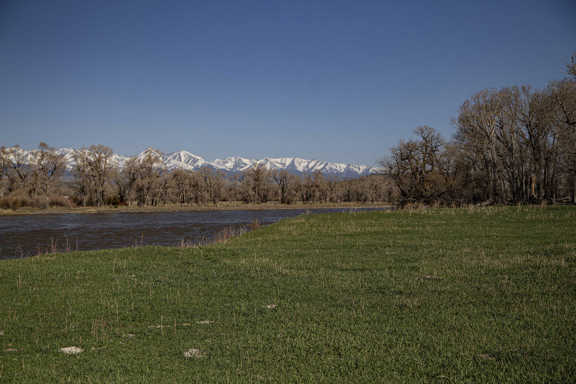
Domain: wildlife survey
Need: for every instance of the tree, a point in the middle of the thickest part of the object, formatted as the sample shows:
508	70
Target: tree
93	174
142	176
571	67
211	185
414	166
32	178
286	183
15	168
256	185
47	170
181	187
562	96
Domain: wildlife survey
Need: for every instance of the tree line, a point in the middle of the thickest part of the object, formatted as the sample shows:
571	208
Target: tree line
95	181
515	145
512	145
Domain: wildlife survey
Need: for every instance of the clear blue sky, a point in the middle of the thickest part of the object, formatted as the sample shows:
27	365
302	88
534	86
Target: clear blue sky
330	80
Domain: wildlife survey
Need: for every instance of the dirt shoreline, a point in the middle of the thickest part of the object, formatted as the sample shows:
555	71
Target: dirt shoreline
218	207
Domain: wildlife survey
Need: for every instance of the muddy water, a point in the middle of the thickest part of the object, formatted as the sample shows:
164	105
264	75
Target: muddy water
23	236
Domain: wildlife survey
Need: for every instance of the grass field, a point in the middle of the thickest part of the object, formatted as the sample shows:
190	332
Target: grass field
481	295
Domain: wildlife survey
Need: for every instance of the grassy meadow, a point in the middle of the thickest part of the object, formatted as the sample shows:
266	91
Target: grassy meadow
479	295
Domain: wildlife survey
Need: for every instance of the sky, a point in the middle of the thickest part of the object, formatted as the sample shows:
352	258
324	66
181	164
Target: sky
329	80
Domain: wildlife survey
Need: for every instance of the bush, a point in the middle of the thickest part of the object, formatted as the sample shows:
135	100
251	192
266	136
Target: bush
60	201
15	201
18	200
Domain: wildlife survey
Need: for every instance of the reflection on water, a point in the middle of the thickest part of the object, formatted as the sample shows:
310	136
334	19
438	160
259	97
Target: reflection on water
22	236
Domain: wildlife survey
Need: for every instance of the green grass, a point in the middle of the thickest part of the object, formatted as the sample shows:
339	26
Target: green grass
448	296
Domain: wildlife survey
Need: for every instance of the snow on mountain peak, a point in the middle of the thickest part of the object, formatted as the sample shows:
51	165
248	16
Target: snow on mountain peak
189	161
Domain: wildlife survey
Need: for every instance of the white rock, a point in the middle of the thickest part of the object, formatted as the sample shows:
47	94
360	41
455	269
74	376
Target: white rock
71	350
194	353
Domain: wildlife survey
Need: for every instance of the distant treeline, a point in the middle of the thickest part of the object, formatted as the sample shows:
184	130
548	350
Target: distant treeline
142	182
512	145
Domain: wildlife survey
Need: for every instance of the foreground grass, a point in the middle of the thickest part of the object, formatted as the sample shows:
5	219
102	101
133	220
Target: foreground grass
449	296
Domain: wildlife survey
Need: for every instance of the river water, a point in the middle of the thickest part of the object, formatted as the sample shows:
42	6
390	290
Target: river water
28	235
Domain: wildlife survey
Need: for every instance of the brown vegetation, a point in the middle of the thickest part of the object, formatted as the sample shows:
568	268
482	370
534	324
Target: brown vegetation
144	183
513	145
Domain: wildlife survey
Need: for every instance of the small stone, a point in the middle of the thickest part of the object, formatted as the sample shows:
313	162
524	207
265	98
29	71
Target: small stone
194	353
71	350
1	333
271	306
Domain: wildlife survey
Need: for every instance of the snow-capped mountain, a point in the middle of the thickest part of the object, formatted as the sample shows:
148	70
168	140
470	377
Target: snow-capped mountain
188	161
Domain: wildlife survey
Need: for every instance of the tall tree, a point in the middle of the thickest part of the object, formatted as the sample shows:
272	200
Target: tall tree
571	67
16	168
48	168
256	185
142	176
286	183
414	166
93	170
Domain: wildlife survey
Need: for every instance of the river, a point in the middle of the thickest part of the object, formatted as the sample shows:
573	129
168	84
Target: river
28	235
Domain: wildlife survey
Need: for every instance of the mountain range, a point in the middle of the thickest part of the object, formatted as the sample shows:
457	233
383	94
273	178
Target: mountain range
234	164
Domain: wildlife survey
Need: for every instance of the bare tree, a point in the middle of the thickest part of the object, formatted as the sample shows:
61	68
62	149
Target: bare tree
47	170
16	168
562	96
256	185
142	176
571	67
93	170
211	185
415	167
286	184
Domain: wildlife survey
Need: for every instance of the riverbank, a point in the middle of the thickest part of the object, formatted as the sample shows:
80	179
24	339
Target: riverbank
28	235
177	208
432	295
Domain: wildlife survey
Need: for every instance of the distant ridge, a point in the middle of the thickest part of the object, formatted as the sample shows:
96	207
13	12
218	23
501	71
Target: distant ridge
234	164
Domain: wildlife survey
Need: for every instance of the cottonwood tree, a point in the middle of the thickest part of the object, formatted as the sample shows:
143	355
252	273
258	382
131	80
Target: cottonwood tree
314	188
93	173
143	178
48	168
286	183
32	177
512	145
211	184
414	167
3	173
16	169
256	185
563	101
181	187
513	137
571	67
477	123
